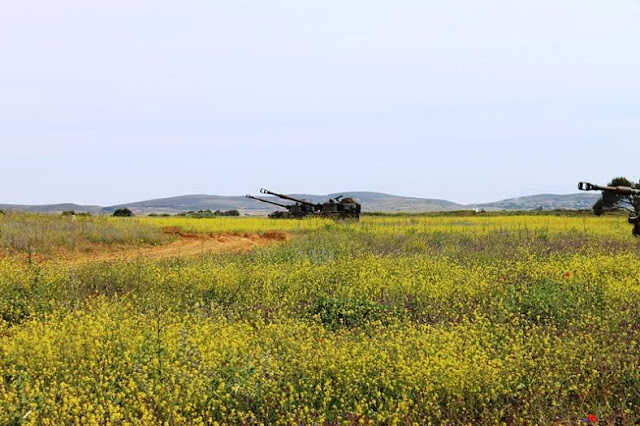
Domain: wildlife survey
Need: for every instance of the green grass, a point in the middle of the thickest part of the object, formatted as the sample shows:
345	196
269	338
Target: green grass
46	233
345	324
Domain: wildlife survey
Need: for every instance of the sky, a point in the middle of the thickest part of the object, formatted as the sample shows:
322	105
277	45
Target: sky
470	101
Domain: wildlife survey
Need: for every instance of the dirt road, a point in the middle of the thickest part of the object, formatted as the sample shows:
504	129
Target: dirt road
193	244
186	244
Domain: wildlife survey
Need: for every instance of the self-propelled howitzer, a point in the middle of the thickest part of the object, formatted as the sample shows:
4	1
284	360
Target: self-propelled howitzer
337	208
341	208
622	190
293	210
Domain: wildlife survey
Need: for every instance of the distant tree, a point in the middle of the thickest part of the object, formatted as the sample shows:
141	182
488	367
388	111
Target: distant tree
125	212
69	213
615	201
199	214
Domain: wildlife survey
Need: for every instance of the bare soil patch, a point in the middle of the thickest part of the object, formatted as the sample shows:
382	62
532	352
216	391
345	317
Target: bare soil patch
186	244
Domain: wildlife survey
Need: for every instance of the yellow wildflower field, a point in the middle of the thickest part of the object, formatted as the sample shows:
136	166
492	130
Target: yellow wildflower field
485	319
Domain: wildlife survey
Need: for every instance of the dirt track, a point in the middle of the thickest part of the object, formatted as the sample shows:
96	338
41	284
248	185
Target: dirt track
187	244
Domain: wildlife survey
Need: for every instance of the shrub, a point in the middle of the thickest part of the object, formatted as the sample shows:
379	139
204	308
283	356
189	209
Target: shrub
198	214
125	212
346	312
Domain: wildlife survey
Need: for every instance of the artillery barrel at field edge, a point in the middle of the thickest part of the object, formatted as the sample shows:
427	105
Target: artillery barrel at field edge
634	218
287	197
586	186
270	202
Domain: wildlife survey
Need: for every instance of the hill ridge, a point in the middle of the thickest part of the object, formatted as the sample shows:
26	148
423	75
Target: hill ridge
371	202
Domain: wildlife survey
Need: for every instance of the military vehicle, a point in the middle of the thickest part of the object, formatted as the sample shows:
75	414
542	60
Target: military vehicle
294	211
337	208
633	218
341	207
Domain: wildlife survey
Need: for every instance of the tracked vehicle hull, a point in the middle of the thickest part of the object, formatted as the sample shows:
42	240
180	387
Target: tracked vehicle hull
335	208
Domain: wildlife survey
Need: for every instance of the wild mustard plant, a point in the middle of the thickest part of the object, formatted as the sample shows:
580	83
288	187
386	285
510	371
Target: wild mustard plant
418	320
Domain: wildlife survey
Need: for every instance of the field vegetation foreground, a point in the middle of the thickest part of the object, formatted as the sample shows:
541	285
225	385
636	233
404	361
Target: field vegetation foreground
393	320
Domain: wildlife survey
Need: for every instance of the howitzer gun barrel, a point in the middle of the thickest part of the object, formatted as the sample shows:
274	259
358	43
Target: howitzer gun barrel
286	197
267	201
586	186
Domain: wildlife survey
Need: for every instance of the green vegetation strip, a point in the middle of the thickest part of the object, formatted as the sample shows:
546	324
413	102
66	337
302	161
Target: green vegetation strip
449	321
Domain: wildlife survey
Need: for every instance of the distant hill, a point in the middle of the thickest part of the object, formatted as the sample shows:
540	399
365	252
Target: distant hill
51	208
371	202
377	201
188	202
545	202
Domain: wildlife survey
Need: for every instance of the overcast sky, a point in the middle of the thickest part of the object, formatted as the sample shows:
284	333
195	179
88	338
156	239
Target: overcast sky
466	100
